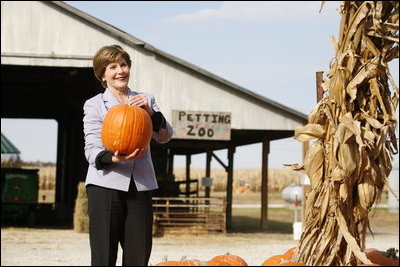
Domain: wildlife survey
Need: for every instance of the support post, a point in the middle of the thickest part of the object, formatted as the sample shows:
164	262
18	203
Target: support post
319	80
188	161
170	166
231	152
307	188
208	172
264	185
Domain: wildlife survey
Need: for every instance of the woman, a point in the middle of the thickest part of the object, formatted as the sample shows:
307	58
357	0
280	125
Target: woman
119	186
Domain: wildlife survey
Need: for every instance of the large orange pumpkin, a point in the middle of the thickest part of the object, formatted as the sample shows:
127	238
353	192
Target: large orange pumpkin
126	128
233	260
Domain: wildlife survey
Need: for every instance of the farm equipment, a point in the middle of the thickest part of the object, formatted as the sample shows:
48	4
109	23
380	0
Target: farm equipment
19	194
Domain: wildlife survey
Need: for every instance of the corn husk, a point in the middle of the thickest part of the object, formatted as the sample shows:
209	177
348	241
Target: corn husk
353	128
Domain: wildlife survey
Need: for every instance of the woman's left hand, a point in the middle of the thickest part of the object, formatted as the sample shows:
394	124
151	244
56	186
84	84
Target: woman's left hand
141	100
138	153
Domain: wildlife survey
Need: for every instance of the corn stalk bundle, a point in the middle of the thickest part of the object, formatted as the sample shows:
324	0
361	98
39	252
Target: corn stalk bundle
354	126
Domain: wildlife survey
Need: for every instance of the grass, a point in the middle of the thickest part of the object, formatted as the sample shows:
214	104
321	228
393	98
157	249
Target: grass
382	219
247	220
280	220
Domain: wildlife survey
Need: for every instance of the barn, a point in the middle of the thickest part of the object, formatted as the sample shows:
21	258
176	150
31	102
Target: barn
46	56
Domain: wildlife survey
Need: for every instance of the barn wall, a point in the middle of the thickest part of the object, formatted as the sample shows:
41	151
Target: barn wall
37	34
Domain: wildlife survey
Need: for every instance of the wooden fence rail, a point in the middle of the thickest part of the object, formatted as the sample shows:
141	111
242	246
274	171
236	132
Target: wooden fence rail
194	213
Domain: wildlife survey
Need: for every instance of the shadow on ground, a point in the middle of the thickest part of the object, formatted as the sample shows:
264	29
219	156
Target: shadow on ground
35	218
244	224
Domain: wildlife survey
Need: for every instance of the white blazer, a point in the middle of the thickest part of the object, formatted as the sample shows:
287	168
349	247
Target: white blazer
117	175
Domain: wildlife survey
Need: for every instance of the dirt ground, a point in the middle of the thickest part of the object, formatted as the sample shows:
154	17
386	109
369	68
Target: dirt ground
65	247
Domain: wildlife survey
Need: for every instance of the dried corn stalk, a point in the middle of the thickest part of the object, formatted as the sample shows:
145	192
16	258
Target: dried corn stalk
354	125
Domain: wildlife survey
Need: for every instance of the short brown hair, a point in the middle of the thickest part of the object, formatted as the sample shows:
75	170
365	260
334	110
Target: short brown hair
105	56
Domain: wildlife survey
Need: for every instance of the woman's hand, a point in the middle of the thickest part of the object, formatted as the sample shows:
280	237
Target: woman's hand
141	100
138	153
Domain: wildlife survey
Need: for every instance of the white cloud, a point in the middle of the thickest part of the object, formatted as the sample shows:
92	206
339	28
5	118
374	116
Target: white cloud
260	11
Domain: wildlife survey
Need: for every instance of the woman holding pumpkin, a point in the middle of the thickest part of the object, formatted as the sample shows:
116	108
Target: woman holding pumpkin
119	185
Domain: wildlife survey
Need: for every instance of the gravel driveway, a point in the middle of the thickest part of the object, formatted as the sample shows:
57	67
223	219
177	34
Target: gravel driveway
50	247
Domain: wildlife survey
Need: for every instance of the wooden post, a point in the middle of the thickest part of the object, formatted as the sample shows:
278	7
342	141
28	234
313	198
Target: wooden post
319	80
208	172
170	166
264	185
307	188
188	161
231	152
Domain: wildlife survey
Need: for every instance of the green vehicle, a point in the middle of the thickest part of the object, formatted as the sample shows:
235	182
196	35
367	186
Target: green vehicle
19	194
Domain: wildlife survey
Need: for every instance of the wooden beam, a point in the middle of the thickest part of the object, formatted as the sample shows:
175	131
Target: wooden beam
264	185
220	161
231	152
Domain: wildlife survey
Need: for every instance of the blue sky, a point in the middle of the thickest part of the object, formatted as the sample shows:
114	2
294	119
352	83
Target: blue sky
271	48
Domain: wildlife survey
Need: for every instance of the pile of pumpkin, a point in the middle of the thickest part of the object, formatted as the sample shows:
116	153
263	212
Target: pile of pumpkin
377	257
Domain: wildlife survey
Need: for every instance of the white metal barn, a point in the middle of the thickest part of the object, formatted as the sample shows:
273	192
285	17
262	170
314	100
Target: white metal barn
46	56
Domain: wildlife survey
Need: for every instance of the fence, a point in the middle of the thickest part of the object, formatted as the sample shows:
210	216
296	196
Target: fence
195	214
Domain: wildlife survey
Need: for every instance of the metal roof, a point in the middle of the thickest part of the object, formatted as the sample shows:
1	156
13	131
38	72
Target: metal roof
119	34
7	147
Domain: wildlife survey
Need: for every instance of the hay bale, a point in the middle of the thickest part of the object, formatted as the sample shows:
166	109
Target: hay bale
81	218
81	224
82	190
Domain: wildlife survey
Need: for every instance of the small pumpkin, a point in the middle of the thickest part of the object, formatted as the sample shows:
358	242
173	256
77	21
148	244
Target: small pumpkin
290	252
194	262
217	263
125	129
381	258
370	249
169	263
291	263
233	260
276	260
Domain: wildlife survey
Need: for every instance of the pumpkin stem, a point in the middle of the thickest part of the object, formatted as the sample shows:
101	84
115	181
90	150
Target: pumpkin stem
391	253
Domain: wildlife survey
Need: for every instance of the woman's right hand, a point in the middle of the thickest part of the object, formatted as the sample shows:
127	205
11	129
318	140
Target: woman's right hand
122	158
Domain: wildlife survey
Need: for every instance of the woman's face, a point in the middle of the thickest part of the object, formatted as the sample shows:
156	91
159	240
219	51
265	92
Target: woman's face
117	74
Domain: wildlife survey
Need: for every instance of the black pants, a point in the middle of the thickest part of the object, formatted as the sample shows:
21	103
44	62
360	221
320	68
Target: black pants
120	217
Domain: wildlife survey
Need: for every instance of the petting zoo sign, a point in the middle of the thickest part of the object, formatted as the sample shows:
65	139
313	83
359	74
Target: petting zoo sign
207	125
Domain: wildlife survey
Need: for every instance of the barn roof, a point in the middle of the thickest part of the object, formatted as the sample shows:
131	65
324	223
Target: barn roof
135	41
7	147
130	40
